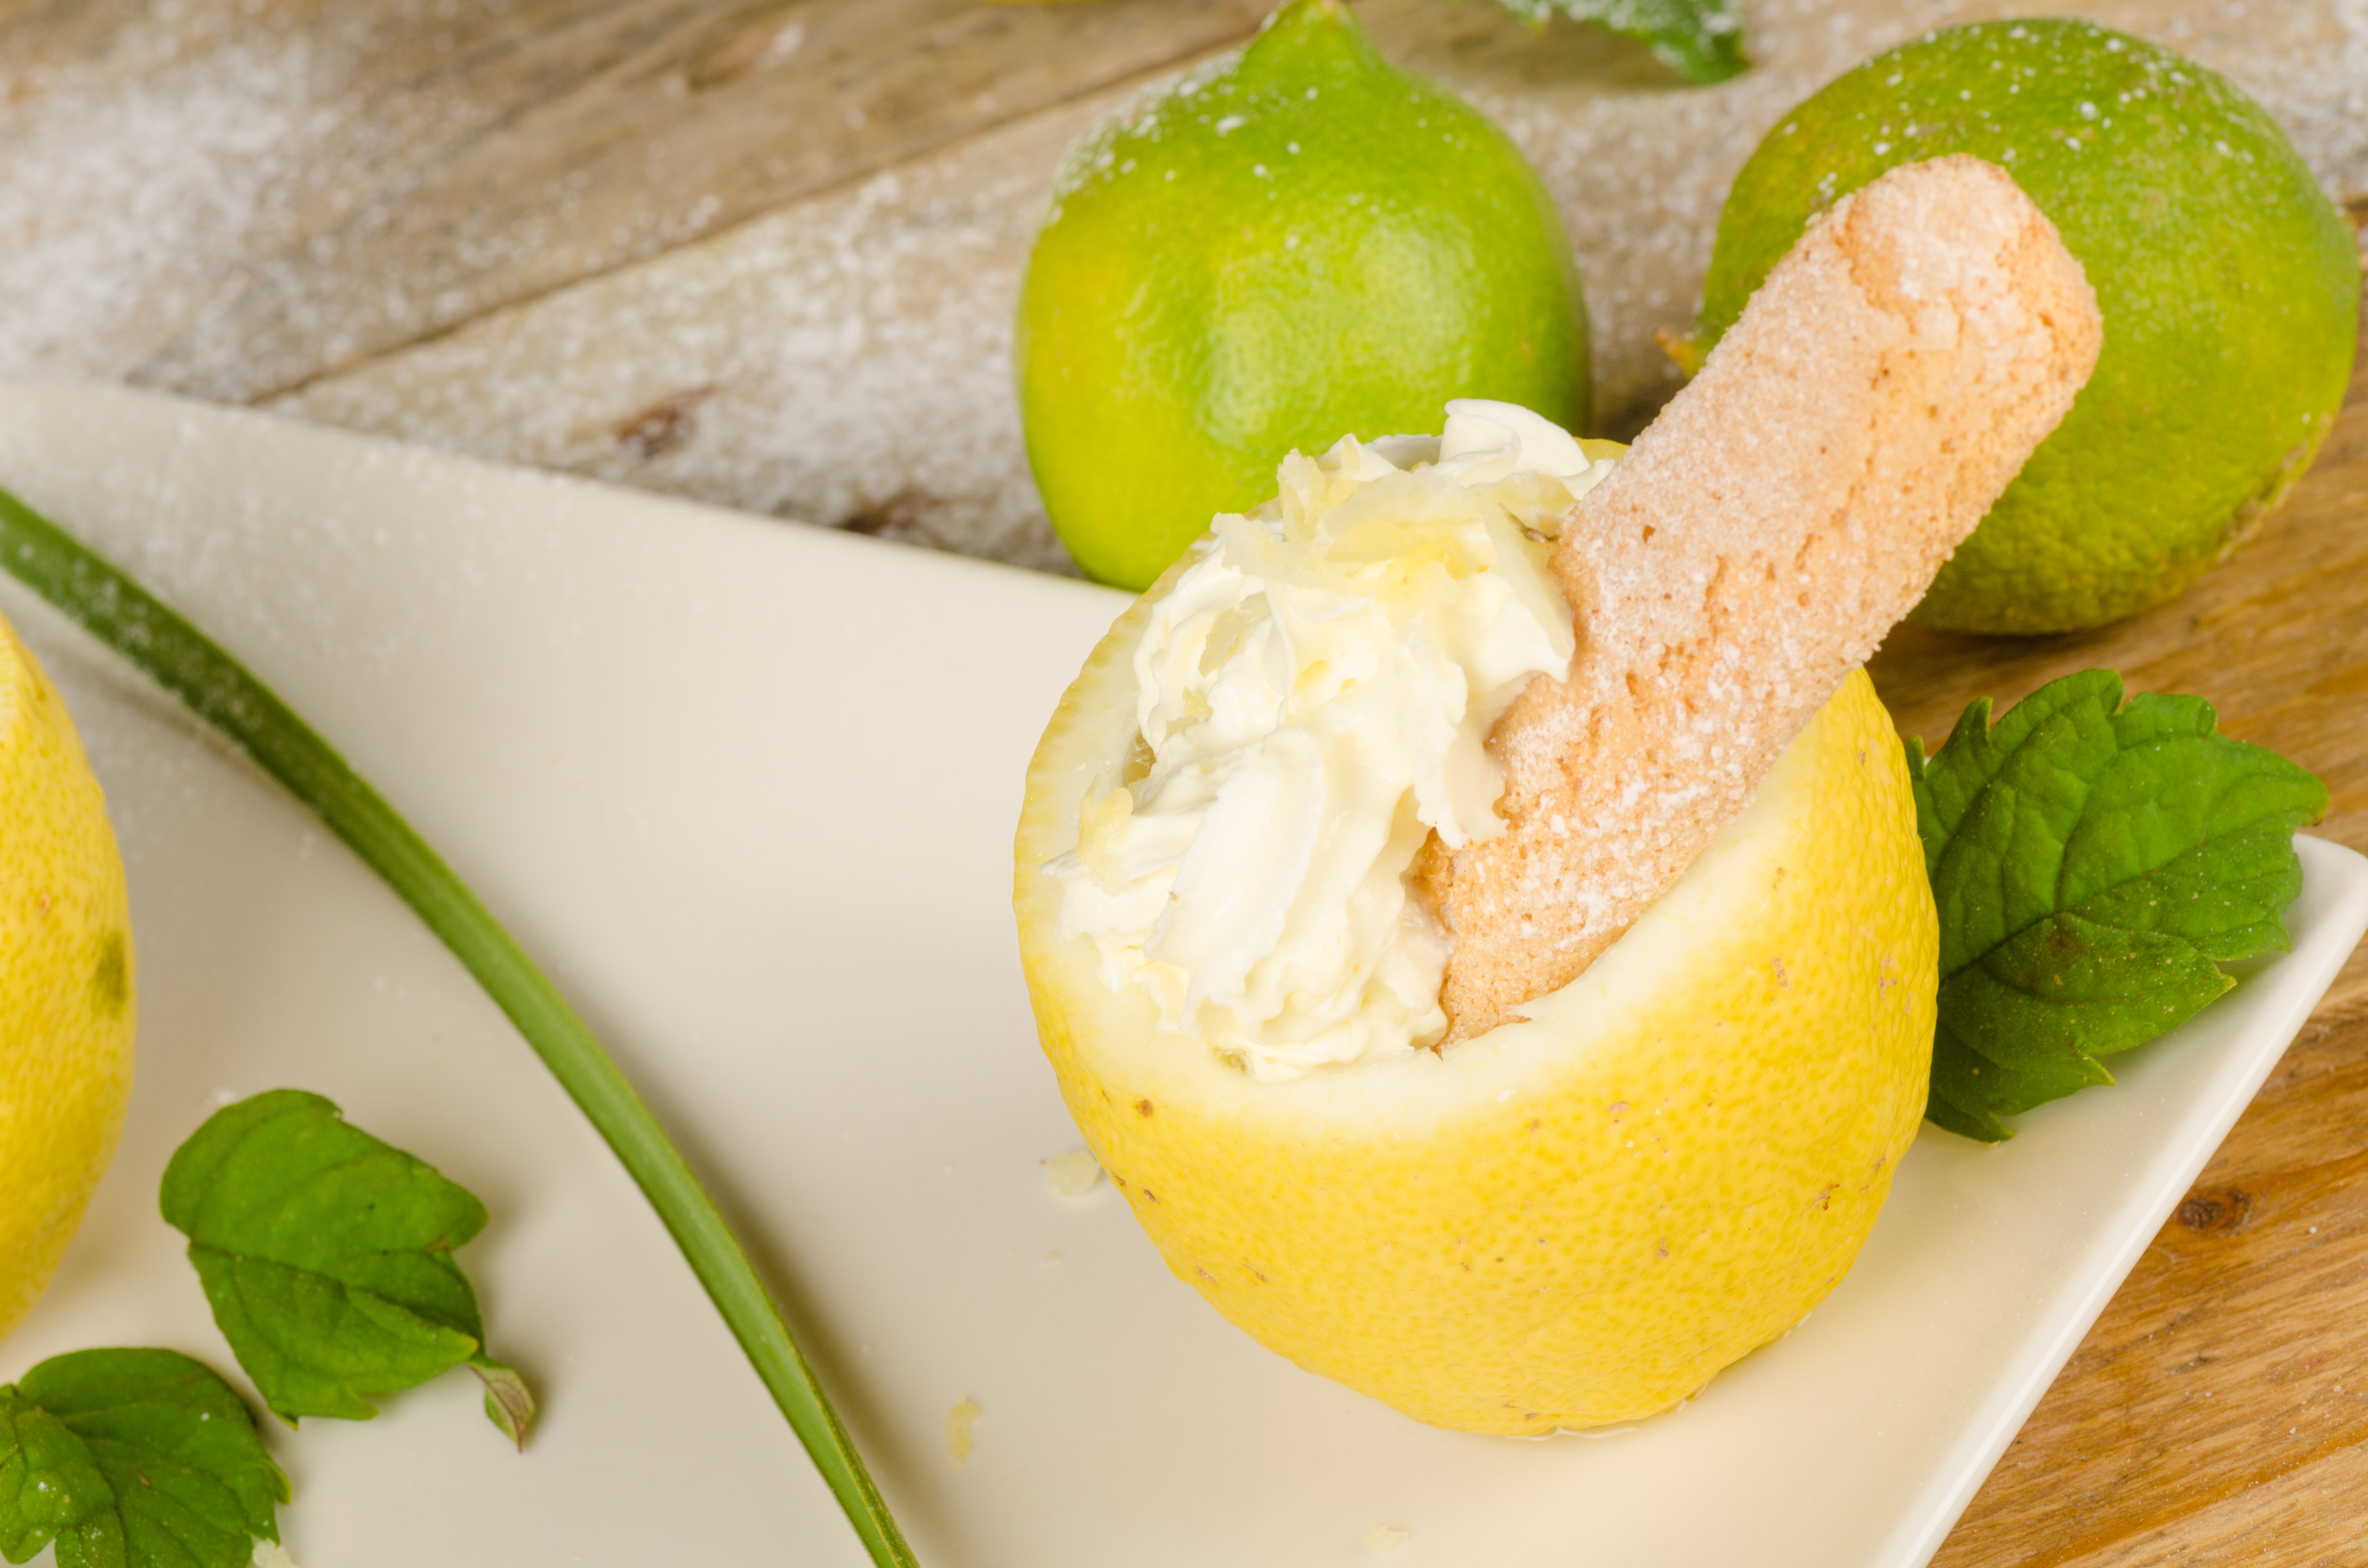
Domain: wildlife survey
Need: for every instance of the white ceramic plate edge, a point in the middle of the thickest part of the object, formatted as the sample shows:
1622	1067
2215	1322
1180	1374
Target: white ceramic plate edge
1287	1453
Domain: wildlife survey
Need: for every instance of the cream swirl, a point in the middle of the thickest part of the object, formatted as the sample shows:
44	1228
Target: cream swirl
1314	690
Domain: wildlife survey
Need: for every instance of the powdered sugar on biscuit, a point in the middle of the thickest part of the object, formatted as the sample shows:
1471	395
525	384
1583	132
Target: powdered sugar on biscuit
1787	508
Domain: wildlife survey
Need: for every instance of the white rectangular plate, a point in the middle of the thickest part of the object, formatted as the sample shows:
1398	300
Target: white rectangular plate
747	789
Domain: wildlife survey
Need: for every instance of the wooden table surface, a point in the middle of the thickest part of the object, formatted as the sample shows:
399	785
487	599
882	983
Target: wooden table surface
764	253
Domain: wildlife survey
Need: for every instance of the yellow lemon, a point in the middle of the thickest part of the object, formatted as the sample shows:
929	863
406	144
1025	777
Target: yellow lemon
65	981
1577	1218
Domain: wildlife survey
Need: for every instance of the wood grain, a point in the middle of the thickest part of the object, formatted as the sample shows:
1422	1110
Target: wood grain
642	125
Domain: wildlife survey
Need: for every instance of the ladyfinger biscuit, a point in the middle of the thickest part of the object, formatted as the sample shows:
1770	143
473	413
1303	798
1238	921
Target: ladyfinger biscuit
1786	509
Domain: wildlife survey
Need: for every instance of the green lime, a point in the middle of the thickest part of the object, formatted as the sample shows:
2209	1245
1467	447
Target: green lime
2228	283
1305	243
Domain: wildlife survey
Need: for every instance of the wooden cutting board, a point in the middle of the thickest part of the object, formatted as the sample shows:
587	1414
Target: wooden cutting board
764	253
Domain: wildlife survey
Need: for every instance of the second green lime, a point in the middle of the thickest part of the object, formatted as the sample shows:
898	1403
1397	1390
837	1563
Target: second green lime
2228	283
1304	243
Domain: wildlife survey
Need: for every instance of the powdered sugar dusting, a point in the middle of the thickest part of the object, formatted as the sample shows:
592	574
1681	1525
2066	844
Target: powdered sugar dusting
1882	390
123	204
847	362
2307	65
136	189
1639	176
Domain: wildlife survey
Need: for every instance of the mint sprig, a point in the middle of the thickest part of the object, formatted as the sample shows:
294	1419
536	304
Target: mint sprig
327	1258
1700	39
2095	862
132	1458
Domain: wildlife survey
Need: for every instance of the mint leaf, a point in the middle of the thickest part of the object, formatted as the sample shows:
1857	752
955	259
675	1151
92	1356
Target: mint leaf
327	1257
1700	39
132	1458
2094	863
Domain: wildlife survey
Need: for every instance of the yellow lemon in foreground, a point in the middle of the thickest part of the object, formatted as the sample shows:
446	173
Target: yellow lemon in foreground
65	981
1577	1218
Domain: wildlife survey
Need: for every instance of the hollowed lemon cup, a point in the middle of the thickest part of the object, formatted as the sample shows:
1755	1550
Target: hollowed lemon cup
1573	1219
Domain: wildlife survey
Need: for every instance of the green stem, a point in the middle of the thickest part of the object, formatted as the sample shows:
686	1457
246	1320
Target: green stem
133	623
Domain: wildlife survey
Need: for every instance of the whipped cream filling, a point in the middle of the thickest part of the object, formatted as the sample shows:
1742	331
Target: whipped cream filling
1313	695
